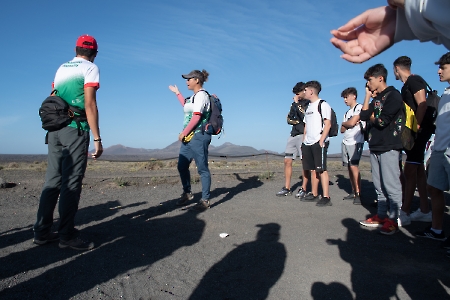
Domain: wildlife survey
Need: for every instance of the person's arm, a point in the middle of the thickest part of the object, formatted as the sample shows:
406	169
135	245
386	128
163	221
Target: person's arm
180	97
421	101
351	123
422	20
326	130
292	116
367	109
366	35
90	106
343	129
190	126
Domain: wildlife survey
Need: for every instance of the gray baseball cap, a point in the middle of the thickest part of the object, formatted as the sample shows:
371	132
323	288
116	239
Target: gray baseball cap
193	74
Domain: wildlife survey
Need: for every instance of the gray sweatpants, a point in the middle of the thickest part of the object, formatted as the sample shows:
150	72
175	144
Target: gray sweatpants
386	179
67	160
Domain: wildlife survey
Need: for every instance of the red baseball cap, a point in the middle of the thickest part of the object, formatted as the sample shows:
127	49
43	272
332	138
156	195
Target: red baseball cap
86	41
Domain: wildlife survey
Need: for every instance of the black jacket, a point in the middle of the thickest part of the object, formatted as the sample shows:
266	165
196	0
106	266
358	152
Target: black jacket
385	132
295	116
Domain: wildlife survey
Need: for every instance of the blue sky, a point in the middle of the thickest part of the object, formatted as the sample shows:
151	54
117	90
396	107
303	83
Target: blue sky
255	52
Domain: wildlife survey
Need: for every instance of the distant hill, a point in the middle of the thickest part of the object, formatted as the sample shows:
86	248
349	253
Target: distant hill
172	151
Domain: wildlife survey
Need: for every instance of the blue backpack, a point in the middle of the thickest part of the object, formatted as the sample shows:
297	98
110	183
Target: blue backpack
214	125
215	122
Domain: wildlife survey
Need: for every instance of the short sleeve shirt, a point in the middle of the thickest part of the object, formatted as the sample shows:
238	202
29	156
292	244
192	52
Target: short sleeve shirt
353	135
412	85
442	135
197	103
313	121
71	79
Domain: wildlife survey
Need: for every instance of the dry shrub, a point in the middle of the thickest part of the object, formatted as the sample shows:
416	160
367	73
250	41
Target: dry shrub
171	163
13	165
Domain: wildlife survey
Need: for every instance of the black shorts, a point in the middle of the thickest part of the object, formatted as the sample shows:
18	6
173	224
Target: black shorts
417	153
315	157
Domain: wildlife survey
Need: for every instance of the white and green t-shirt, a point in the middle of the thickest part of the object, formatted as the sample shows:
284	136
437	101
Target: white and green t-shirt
201	105
71	79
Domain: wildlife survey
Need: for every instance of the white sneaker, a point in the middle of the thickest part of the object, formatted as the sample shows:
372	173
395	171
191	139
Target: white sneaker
403	219
418	215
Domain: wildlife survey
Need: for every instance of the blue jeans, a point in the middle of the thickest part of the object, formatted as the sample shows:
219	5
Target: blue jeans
386	179
67	161
197	150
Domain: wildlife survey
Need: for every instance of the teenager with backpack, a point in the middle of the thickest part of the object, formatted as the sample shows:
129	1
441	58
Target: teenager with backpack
194	139
383	115
315	143
352	142
414	95
439	168
294	143
76	82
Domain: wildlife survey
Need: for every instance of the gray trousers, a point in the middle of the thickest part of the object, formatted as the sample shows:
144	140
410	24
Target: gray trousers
386	179
67	160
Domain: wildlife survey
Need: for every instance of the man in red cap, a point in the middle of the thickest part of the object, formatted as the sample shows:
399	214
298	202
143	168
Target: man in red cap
76	82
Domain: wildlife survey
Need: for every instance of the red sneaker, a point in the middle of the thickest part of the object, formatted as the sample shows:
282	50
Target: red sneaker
374	221
389	227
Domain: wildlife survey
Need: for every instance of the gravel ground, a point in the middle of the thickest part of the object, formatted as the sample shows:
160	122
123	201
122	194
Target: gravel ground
147	248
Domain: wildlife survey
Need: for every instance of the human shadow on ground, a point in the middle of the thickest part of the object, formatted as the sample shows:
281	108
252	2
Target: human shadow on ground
247	272
381	264
36	256
368	194
127	242
252	182
334	290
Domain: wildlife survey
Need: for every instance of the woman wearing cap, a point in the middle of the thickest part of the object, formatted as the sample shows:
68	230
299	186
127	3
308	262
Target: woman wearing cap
195	141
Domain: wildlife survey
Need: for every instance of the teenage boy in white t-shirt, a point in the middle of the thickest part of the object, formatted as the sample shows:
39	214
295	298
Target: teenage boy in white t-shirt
315	143
352	143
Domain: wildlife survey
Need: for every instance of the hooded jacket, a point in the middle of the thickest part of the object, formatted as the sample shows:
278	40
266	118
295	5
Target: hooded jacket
295	116
385	131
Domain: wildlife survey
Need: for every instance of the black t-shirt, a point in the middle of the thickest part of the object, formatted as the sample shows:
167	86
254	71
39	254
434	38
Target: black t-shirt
413	84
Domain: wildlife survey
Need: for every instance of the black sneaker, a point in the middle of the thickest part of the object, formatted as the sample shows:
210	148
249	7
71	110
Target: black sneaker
185	198
430	234
349	197
202	205
324	201
448	253
357	199
310	198
48	238
301	193
446	244
77	244
284	192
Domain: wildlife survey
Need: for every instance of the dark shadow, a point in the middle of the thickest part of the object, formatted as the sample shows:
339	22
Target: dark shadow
28	258
381	265
8	185
244	185
367	198
127	242
249	271
299	184
334	290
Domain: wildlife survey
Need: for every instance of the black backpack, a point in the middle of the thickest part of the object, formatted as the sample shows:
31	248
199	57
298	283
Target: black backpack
334	125
56	114
432	108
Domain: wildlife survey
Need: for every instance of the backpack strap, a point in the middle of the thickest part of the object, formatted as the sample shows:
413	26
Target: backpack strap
193	96
319	108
